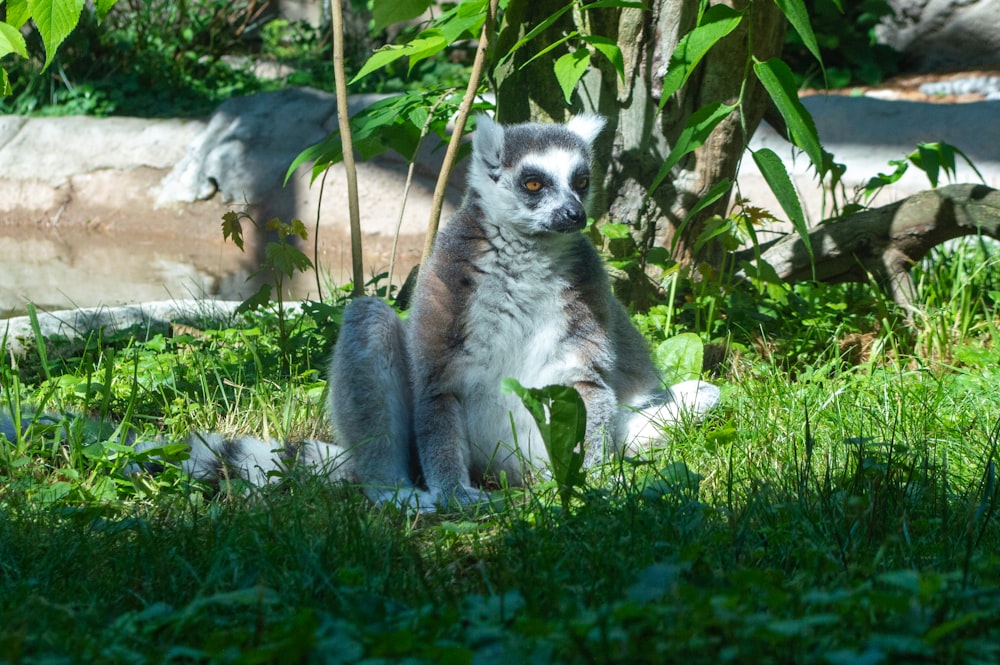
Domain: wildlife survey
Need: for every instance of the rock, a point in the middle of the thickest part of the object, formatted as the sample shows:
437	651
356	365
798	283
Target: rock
51	150
937	35
248	145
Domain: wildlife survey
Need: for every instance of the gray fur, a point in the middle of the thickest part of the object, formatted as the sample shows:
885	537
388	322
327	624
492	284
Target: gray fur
510	290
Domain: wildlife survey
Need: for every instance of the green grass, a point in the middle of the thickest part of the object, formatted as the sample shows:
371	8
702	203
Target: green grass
828	512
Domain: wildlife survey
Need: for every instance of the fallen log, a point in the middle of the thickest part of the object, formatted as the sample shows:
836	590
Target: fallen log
884	243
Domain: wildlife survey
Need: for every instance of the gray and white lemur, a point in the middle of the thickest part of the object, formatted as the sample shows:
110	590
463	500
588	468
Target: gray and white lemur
512	289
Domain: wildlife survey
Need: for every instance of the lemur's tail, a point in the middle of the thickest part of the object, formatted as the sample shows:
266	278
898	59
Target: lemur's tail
214	457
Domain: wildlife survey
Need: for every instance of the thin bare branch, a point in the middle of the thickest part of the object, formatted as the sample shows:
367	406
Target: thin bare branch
343	118
456	138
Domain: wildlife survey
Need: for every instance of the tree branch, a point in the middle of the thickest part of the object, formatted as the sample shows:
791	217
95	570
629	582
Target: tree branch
885	242
478	64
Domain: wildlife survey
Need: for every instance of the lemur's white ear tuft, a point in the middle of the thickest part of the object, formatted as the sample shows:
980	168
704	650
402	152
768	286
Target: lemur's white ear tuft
487	141
587	126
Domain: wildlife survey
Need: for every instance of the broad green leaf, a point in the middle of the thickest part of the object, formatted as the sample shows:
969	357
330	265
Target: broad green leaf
552	45
882	179
103	7
379	59
466	18
614	230
427	44
387	12
717	191
561	417
717	22
286	258
774	172
55	19
680	357
609	49
696	131
777	79
329	151
262	298
534	32
718	228
569	69
11	41
232	228
18	12
932	158
795	12
928	158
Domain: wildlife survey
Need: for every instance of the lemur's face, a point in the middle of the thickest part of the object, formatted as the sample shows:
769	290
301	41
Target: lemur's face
535	177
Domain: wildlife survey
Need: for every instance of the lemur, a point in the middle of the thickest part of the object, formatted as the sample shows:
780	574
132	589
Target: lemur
512	289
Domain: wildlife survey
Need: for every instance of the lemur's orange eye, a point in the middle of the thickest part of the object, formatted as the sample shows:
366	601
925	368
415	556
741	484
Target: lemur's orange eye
533	185
582	182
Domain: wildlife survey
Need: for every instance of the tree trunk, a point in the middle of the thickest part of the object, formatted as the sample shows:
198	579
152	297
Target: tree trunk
885	242
639	137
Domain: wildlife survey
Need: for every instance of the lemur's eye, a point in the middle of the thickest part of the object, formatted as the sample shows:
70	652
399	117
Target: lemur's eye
533	184
583	182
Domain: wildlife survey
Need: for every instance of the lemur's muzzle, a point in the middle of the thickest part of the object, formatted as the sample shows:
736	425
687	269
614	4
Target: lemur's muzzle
571	217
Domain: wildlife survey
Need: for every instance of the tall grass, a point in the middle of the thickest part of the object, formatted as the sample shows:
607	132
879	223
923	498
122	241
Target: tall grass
835	509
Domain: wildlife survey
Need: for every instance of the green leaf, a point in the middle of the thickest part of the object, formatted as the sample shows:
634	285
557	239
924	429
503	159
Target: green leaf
795	12
11	41
534	32
777	79
609	49
326	153
614	230
379	59
717	191
931	158
467	18
680	358
286	258
569	69
55	19
4	83
774	172
429	43
928	158
232	228
696	131
18	12
103	7
261	299
717	22
387	12
561	417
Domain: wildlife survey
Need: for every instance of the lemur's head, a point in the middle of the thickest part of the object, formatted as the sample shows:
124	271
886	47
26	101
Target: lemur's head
532	176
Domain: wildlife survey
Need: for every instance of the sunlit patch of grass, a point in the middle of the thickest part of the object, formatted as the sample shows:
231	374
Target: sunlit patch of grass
828	511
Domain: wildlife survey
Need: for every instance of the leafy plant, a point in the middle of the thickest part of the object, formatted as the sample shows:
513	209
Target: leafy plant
281	261
561	417
848	45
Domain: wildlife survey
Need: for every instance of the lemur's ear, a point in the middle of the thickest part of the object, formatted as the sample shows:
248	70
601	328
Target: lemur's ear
587	126
487	142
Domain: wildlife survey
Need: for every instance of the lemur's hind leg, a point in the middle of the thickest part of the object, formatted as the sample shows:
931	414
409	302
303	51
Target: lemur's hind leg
370	402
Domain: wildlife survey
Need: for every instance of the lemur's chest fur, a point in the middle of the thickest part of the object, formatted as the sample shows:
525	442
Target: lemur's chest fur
507	304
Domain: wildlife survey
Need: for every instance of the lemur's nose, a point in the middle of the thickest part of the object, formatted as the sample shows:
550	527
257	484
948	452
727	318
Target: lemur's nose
571	217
